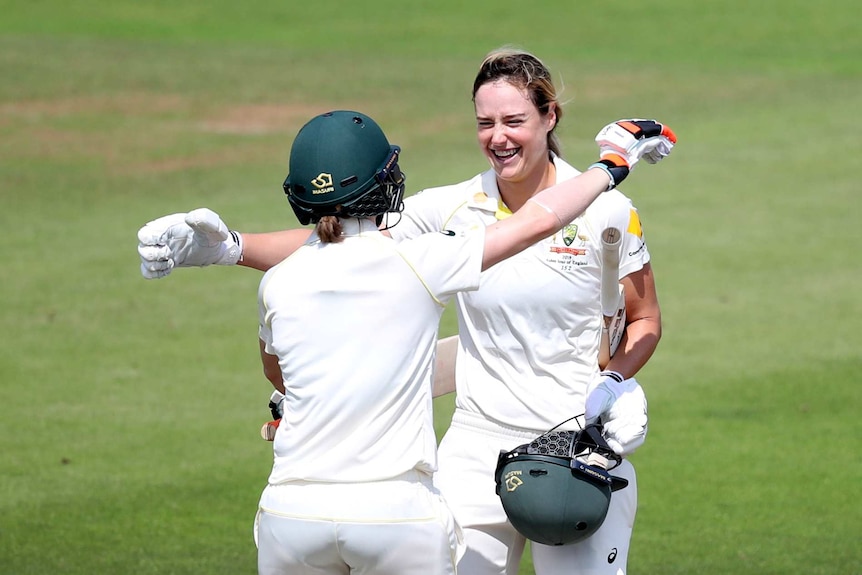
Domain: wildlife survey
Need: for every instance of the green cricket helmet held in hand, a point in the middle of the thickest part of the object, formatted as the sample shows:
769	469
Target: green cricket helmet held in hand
556	490
341	164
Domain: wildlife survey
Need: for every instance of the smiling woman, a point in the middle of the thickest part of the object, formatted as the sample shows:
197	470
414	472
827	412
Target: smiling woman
529	337
516	117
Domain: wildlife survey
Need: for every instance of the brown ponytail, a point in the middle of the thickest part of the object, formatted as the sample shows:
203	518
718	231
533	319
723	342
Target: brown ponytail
329	230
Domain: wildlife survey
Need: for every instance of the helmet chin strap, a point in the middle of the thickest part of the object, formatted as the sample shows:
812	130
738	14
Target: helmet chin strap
584	447
575	417
386	217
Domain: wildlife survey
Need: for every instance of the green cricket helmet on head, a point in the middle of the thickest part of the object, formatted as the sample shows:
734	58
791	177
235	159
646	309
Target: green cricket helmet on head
556	490
341	164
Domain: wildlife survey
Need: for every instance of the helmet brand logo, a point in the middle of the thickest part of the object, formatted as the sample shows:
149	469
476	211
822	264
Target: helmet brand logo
513	481
593	473
322	184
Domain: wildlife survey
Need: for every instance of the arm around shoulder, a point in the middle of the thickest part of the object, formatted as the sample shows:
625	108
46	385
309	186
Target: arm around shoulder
542	215
262	251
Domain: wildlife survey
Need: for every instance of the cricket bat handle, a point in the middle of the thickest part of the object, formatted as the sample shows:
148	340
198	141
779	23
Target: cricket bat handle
612	296
611	238
268	430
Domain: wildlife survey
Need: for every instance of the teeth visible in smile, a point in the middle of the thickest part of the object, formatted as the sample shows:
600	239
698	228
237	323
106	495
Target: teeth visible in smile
505	153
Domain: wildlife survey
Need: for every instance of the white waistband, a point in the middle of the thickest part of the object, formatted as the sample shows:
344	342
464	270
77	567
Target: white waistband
463	418
409	496
412	476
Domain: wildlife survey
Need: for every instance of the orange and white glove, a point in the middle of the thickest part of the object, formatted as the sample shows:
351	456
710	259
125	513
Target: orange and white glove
625	142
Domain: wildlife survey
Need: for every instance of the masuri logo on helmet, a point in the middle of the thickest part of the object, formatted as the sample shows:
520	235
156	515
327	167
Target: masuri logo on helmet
322	184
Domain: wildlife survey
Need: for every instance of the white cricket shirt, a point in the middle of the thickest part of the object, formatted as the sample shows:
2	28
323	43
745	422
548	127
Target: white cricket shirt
354	325
530	335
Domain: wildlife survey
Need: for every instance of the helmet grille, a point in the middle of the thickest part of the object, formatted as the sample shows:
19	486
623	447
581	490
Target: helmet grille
558	443
371	204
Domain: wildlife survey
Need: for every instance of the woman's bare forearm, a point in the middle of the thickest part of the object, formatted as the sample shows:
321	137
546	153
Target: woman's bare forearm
263	250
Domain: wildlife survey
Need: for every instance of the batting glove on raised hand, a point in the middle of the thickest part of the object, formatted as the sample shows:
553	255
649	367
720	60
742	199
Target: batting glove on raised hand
623	143
194	239
620	406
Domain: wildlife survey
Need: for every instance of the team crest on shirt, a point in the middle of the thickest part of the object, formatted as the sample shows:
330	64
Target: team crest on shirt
568	249
570	232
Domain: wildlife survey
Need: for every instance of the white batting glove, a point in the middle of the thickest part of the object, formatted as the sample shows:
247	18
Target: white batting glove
194	239
621	407
623	143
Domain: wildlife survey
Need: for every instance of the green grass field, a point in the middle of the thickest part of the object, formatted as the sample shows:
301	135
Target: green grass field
129	410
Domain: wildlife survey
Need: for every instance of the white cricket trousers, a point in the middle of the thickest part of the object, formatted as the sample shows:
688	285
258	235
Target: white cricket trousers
467	459
400	526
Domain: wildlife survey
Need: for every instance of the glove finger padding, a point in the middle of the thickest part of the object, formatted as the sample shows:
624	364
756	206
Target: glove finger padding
625	422
154	253
194	239
598	401
153	265
216	244
154	241
150	273
601	393
633	139
624	441
208	226
655	149
155	232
